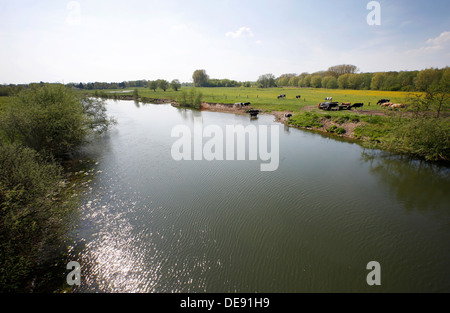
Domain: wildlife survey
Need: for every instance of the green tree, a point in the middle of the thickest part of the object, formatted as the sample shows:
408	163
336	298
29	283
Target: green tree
316	81
175	84
342	69
163	84
354	81
35	208
306	81
52	119
200	78
332	83
378	81
427	78
343	81
153	85
266	81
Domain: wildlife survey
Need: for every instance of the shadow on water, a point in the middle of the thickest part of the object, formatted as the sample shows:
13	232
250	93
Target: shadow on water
419	185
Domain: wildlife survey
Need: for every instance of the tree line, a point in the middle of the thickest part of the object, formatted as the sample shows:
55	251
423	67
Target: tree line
201	79
347	77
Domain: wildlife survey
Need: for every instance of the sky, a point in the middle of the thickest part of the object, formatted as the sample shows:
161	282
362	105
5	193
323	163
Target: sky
114	41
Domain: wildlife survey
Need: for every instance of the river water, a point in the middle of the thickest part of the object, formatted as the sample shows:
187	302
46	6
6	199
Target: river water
149	223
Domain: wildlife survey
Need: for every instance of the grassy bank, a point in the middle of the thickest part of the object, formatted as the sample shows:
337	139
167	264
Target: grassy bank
266	98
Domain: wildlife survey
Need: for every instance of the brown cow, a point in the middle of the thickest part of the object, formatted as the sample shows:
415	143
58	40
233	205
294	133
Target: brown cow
345	103
398	106
386	104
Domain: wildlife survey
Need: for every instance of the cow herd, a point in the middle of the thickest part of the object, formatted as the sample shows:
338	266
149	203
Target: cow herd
330	105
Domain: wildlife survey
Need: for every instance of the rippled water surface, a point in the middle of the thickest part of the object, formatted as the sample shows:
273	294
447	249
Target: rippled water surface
152	224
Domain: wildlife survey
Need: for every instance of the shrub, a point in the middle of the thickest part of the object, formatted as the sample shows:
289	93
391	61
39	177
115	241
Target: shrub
34	213
191	99
51	118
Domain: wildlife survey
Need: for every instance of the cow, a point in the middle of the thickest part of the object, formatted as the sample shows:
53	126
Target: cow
288	115
357	105
383	101
328	99
386	104
298	97
246	103
282	96
397	106
345	106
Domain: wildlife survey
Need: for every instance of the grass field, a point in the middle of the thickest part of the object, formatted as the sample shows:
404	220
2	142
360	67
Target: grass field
266	99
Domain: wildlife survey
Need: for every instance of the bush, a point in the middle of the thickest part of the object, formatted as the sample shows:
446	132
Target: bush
191	99
34	210
332	129
51	118
427	138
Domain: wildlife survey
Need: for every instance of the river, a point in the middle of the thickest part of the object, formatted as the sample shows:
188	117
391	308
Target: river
149	223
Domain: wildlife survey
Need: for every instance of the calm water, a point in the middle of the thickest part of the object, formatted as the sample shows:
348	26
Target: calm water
152	224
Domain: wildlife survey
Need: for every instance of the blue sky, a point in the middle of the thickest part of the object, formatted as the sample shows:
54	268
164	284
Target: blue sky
75	41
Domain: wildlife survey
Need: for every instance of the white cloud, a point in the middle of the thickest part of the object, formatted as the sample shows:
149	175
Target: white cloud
240	33
440	42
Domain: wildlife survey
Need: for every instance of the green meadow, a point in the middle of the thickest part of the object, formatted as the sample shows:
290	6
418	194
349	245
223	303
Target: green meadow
266	98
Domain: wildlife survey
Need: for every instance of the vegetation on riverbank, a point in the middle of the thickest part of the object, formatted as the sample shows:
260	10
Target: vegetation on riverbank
39	128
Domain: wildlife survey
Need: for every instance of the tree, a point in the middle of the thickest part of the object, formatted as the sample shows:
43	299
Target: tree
266	81
200	78
306	81
35	208
316	81
153	85
427	78
354	81
175	84
343	81
332	83
378	81
163	84
342	69
52	119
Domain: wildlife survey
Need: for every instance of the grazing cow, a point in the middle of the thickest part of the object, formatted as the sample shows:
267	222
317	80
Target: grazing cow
329	99
357	105
246	104
238	104
345	106
298	97
386	104
397	106
383	101
282	96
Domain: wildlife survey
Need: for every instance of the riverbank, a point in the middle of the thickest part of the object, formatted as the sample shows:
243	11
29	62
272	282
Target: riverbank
422	135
